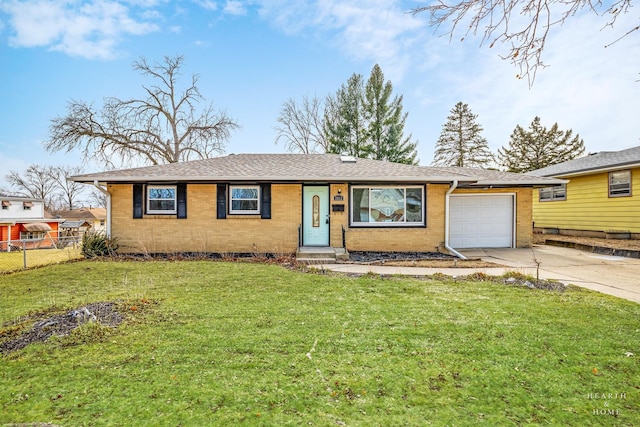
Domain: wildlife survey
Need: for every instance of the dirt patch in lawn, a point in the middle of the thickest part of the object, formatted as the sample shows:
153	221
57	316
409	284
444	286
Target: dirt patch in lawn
13	336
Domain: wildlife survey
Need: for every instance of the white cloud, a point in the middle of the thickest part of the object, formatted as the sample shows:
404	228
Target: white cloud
87	29
207	4
234	7
374	31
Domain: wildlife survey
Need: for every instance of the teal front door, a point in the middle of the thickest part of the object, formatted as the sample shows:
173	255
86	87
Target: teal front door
315	215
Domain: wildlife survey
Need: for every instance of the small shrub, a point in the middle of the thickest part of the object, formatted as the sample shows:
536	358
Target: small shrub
98	245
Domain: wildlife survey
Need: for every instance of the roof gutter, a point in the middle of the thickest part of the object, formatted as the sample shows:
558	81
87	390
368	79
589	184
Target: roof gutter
453	186
106	193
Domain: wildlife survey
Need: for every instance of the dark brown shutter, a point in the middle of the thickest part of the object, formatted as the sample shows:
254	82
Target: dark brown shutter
138	200
221	201
265	201
181	195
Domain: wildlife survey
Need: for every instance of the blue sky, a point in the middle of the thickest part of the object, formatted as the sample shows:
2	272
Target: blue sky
254	55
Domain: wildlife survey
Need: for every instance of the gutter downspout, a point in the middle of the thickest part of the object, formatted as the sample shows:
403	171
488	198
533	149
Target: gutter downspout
454	185
106	193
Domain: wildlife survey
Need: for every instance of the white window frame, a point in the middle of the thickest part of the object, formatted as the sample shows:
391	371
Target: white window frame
244	211
162	211
555	194
623	189
403	223
33	235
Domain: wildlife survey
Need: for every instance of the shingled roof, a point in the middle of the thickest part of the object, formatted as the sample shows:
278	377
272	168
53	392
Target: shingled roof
306	168
598	162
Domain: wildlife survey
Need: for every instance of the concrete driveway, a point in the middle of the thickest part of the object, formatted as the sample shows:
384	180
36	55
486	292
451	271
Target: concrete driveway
611	275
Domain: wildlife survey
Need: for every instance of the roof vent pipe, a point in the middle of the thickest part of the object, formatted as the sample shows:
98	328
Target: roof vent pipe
344	158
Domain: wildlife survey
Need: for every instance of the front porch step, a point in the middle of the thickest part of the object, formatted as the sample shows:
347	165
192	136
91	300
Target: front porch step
321	255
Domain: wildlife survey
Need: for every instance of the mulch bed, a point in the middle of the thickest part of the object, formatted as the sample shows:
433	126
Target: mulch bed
369	257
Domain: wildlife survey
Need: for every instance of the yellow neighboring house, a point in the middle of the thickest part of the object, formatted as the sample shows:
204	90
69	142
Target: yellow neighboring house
280	203
600	199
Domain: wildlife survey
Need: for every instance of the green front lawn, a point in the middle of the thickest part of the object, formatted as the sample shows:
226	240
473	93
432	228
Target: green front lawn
222	343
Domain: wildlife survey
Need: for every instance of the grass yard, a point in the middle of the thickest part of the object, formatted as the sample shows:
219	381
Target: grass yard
223	343
14	261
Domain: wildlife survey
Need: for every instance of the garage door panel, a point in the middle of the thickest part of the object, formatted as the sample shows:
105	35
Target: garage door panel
482	221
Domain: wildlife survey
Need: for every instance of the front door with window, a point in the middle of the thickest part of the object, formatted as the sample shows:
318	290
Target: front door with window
315	216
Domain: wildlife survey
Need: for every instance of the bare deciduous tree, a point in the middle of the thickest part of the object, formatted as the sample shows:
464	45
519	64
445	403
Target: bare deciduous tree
68	192
97	199
497	22
164	127
36	183
300	126
50	184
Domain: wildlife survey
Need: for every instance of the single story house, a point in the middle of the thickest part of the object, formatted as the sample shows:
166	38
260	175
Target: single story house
598	200
24	223
277	203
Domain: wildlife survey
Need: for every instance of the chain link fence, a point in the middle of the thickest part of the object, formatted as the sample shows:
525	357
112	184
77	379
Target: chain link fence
21	254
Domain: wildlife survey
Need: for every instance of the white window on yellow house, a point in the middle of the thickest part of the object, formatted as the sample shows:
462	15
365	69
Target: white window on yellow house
549	194
245	199
161	199
387	206
620	183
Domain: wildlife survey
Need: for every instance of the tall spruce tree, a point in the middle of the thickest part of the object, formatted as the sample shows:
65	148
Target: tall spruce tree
366	121
460	142
345	126
386	122
539	147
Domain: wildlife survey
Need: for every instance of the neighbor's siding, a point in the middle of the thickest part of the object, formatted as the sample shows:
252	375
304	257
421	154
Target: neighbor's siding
588	206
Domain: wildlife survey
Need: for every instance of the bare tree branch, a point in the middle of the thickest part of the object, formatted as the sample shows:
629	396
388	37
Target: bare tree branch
300	126
527	36
165	127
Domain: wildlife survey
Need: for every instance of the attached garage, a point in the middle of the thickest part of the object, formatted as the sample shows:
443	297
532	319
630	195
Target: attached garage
481	221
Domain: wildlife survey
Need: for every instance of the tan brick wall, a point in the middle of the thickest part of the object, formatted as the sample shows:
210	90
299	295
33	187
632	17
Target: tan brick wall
202	232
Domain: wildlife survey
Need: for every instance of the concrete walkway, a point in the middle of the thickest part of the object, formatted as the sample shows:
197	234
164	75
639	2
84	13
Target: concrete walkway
613	275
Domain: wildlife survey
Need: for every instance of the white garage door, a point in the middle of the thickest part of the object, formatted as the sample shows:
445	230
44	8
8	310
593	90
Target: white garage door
484	221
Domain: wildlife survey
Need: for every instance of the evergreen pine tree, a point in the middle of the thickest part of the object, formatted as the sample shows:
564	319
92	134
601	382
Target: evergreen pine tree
367	122
345	127
386	122
460	143
538	147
